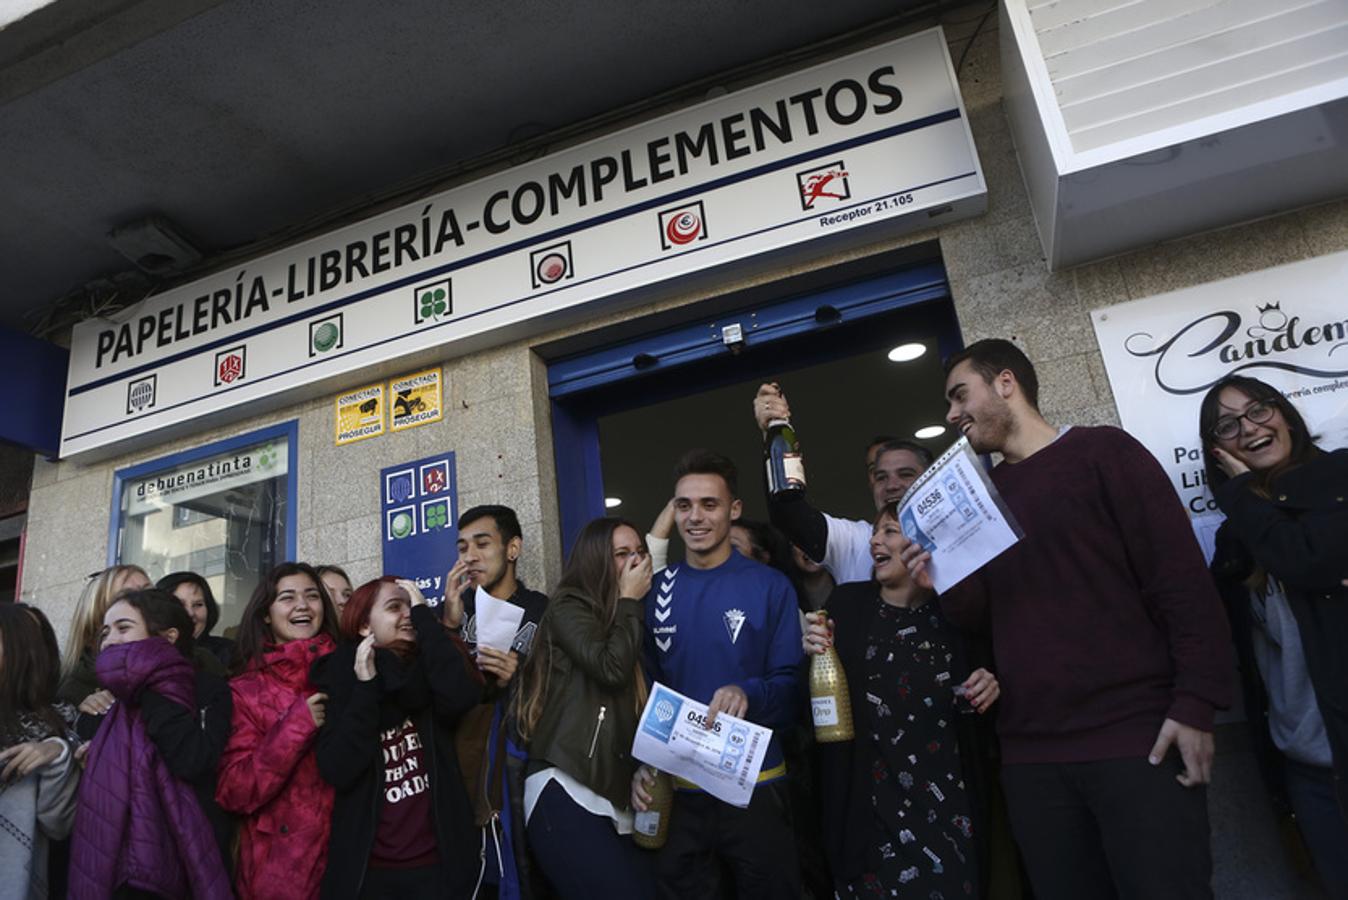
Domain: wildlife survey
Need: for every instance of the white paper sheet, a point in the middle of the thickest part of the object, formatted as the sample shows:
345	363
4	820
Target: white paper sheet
724	760
497	621
957	515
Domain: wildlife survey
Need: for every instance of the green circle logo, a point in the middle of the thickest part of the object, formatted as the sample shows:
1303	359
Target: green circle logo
401	525
325	337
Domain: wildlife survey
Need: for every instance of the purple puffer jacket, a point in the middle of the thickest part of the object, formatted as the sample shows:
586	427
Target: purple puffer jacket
138	825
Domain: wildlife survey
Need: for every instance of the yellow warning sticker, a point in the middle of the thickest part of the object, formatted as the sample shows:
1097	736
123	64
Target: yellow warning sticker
416	400
360	414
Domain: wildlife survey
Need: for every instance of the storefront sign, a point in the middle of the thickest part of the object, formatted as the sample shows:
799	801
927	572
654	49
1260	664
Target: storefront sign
419	511
416	400
359	414
202	478
1287	326
878	138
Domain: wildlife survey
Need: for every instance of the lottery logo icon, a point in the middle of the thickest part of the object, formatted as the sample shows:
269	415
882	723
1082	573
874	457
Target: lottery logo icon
140	394
433	301
551	264
230	365
827	182
399	486
325	335
683	225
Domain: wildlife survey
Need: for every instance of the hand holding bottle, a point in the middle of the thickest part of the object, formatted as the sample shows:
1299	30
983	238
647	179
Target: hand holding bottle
643	779
818	635
770	404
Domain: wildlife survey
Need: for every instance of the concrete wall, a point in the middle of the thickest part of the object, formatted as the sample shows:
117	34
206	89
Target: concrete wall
497	416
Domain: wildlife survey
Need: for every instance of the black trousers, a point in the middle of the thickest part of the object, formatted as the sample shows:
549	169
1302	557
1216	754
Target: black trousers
756	846
1119	828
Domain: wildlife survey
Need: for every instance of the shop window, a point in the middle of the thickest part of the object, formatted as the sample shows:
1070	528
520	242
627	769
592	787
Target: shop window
225	511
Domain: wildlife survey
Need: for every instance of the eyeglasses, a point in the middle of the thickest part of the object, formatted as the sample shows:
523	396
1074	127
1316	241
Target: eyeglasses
1228	427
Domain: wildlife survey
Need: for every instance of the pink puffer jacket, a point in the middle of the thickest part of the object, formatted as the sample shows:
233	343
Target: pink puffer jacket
269	776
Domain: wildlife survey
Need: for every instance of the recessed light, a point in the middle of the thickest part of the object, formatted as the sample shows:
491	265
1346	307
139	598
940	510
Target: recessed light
611	502
907	352
929	431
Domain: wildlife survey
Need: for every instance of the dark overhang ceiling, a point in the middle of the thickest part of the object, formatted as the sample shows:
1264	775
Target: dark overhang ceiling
250	122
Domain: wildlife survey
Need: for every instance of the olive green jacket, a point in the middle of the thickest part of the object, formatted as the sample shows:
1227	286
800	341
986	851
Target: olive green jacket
589	713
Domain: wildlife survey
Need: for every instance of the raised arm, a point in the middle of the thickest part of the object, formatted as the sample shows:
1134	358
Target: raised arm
260	757
1306	549
607	656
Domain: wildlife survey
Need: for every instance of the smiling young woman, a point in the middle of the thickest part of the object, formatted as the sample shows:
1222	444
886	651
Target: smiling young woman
1281	563
398	685
268	773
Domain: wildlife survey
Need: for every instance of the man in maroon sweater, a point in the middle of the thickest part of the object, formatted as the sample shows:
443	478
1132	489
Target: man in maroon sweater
1111	644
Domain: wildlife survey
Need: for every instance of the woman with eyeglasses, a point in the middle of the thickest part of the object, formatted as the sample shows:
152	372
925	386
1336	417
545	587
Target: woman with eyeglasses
1281	562
581	693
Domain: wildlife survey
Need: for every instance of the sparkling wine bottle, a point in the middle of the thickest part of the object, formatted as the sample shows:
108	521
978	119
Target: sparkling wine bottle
650	829
830	703
781	454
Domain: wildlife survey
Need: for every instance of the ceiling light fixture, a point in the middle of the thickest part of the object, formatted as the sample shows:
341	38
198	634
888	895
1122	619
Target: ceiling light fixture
907	352
155	245
929	431
611	502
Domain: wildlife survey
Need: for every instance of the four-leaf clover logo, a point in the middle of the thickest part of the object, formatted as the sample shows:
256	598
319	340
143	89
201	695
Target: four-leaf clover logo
432	301
437	516
266	457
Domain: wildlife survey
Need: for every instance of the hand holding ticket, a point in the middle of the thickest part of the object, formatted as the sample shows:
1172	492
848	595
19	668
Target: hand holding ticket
954	513
723	759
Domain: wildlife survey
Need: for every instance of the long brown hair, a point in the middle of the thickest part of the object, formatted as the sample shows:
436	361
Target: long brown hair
30	670
254	634
590	574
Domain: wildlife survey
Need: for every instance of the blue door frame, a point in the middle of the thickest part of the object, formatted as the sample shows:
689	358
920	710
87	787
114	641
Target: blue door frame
811	327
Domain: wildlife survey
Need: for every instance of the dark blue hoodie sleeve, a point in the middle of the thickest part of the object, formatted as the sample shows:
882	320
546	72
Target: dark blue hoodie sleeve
774	696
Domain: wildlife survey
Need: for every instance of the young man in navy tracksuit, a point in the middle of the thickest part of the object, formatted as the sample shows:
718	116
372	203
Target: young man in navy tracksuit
724	630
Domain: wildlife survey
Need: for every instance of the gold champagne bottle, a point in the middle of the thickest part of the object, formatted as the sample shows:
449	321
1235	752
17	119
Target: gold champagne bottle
830	703
650	829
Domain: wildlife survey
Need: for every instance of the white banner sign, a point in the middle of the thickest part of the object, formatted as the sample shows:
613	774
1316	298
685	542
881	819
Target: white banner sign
206	477
875	138
1287	326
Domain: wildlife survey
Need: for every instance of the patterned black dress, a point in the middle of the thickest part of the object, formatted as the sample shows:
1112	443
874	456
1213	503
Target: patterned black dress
923	837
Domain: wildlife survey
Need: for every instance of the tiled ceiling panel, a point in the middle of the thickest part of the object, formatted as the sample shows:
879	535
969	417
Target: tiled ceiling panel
1124	69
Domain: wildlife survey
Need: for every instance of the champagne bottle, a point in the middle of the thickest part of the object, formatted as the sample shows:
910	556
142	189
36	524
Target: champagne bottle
781	454
650	829
830	703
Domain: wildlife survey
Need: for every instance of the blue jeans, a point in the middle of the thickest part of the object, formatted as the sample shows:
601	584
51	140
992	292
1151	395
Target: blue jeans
582	855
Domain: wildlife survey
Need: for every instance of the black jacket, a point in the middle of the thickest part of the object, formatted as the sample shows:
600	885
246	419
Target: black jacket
191	744
845	767
434	689
589	714
1299	535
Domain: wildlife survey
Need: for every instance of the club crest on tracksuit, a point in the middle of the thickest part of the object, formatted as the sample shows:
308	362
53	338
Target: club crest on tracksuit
734	621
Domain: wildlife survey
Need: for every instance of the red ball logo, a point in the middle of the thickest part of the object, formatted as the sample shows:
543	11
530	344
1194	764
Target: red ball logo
683	228
551	268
